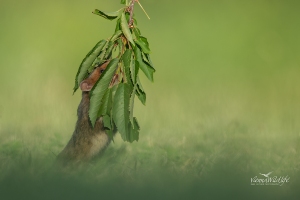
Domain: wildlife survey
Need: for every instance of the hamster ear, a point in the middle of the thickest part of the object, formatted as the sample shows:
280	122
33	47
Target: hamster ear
85	86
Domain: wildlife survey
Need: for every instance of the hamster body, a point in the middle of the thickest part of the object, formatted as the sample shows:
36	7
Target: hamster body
87	141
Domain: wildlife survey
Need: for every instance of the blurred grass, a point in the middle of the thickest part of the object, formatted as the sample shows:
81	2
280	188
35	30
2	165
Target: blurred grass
224	106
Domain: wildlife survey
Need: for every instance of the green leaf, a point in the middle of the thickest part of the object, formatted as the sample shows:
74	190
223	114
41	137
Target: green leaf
110	134
131	105
127	61
136	33
127	57
106	121
113	92
125	29
149	60
145	48
137	124
107	15
108	126
134	131
137	30
143	39
96	63
100	88
147	69
100	59
120	45
87	62
127	16
140	87
109	50
121	109
142	97
106	105
134	69
116	35
140	92
118	27
126	2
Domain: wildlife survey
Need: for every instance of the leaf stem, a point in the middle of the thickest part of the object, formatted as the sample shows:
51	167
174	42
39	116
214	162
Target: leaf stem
143	8
130	9
120	9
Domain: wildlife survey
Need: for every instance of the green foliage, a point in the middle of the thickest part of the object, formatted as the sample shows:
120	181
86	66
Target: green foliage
120	110
144	66
112	97
134	129
131	105
107	15
127	61
108	125
109	50
125	29
106	102
116	35
134	70
140	92
143	45
100	89
87	62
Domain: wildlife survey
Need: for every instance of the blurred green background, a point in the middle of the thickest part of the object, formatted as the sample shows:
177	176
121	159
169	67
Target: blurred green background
224	106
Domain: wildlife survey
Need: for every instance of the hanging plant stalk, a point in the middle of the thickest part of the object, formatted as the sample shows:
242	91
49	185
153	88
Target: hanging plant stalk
113	95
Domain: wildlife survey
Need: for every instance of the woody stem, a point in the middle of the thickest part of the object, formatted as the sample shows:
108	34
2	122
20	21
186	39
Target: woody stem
130	10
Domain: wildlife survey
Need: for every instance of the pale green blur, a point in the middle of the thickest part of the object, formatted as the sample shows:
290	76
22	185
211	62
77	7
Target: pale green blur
223	108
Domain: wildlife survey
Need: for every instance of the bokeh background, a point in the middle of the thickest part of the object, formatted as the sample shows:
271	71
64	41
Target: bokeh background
224	106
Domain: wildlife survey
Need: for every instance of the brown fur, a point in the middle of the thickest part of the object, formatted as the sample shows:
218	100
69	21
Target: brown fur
86	141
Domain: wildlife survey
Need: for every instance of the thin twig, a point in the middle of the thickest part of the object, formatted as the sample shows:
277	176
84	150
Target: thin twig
130	9
120	9
143	8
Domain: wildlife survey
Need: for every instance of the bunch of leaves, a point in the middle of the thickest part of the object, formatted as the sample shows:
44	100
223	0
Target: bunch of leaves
113	95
